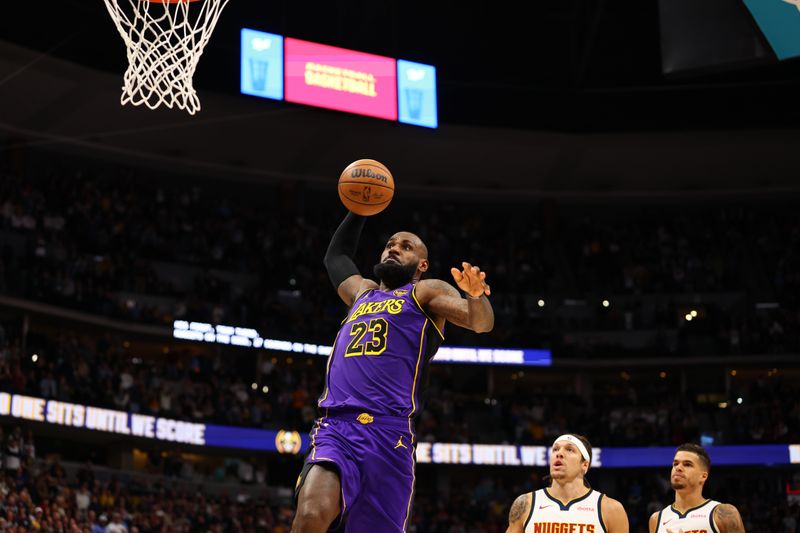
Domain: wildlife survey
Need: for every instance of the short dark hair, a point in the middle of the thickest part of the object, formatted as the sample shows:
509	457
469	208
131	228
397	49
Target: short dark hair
699	451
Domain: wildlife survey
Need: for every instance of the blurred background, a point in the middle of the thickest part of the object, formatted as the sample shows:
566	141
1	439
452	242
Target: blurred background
626	173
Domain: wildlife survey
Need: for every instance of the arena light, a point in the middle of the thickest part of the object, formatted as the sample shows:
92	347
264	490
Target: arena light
250	338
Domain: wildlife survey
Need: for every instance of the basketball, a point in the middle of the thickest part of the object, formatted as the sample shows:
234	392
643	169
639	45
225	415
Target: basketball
366	187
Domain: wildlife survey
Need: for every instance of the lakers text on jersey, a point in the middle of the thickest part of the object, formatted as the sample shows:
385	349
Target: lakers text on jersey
380	356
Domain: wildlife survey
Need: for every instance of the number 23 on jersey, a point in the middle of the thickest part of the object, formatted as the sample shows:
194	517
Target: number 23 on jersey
379	329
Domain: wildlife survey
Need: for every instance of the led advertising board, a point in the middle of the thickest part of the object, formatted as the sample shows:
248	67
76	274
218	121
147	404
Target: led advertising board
345	80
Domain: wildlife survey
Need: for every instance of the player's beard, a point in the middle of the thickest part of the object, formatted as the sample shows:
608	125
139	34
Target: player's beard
679	485
395	275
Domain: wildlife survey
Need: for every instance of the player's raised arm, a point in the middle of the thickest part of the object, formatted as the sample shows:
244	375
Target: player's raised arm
519	512
339	259
444	302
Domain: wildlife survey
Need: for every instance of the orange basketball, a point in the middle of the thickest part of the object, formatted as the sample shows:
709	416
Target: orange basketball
366	187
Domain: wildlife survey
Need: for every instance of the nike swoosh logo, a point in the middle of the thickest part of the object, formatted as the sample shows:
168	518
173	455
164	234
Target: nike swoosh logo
667	522
544	506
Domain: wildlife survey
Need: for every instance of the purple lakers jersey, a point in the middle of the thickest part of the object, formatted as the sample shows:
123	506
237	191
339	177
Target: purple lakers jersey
380	354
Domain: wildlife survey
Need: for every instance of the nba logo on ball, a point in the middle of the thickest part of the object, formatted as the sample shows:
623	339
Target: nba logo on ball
366	187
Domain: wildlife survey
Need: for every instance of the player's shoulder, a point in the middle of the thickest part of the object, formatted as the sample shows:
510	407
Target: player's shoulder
653	521
521	507
726	516
354	287
725	507
366	285
613	515
428	288
609	506
607	502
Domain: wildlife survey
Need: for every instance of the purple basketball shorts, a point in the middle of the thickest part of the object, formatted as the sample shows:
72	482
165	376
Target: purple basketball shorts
374	456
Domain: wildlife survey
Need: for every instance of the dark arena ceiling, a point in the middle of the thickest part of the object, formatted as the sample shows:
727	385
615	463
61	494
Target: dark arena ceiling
569	98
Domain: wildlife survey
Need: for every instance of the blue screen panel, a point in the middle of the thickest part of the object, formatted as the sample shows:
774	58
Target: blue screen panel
661	456
262	64
779	21
416	94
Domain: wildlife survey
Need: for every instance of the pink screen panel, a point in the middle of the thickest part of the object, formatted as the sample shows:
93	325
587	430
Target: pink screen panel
334	78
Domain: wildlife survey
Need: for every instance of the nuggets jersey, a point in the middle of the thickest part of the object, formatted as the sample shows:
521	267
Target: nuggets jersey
581	515
380	354
696	520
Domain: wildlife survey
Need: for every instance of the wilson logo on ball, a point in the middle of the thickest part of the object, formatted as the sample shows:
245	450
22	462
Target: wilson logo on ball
367	173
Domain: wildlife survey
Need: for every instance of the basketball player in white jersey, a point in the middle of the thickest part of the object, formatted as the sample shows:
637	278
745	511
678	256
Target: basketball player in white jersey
568	505
691	512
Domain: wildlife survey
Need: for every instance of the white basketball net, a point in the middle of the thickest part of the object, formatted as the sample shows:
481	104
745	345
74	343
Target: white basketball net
164	42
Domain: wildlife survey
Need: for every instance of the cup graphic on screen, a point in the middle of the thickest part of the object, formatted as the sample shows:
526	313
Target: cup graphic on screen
414	101
258	74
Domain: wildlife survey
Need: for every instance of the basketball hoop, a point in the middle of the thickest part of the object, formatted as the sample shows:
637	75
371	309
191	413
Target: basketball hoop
165	39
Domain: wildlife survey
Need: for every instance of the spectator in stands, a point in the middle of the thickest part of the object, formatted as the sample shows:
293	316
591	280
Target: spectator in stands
116	525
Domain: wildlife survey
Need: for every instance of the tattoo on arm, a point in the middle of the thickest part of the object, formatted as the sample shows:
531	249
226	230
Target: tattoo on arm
728	519
475	314
444	287
518	509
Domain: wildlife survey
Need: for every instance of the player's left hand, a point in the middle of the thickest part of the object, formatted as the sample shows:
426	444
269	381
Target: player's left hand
471	280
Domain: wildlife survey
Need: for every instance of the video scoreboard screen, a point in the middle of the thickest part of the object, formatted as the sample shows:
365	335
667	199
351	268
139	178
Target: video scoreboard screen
302	72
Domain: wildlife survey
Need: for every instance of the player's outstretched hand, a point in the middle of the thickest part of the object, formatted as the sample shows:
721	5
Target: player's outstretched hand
471	280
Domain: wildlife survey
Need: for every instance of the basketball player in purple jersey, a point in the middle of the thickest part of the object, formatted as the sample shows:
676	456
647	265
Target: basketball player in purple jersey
359	470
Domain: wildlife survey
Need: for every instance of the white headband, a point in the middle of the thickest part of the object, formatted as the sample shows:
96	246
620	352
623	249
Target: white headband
578	444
